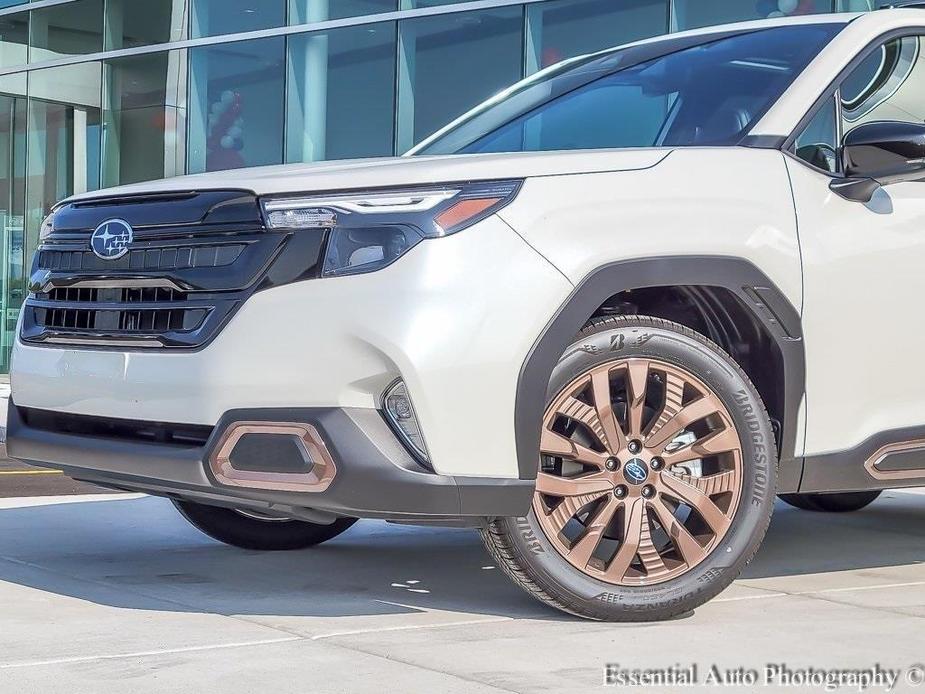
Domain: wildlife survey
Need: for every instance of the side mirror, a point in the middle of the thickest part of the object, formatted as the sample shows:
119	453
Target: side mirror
880	152
885	150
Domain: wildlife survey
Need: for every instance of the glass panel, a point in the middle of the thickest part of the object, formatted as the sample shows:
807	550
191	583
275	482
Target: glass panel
342	93
13	111
215	17
142	118
11	3
564	29
236	105
708	94
14	39
860	5
64	138
818	143
414	4
889	85
452	62
73	28
691	14
130	23
305	11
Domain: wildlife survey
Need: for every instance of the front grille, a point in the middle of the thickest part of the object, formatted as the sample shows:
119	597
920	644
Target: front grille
194	259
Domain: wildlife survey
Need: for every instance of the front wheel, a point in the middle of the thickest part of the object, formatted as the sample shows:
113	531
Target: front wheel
841	502
657	476
250	530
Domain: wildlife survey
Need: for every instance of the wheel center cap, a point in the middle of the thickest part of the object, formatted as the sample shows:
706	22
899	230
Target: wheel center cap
636	471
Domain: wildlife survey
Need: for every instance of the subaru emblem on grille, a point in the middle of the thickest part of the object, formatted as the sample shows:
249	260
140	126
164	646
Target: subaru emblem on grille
111	239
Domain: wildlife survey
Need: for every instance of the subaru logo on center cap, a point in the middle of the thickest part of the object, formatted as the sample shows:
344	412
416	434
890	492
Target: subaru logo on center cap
111	239
635	471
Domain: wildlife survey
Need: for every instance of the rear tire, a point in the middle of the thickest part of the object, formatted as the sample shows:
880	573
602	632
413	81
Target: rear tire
568	551
842	502
252	532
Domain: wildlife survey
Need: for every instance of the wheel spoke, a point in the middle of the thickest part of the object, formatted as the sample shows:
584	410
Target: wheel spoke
648	553
581	551
629	545
558	446
691	550
586	414
614	439
553	485
725	481
714	443
674	395
637	373
565	511
698	500
689	414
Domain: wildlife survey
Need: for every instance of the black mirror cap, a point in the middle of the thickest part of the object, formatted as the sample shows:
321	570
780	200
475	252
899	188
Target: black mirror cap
884	150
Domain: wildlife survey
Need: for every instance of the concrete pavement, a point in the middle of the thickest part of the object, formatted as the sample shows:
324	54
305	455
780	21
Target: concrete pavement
114	594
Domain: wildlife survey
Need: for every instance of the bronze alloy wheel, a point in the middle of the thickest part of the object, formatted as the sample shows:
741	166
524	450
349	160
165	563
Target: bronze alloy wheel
641	472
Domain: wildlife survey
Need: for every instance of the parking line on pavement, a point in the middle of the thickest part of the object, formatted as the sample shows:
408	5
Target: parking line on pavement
411	627
30	472
146	654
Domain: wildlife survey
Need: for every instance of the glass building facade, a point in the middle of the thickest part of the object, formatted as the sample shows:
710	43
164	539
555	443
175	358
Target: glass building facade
97	93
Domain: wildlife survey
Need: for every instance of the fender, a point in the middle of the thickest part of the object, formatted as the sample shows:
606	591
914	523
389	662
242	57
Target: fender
755	290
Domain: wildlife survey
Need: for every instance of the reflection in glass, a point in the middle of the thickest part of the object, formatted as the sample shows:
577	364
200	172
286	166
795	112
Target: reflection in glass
216	17
13	111
692	14
440	58
130	23
64	138
237	94
341	94
72	28
564	29
14	39
143	118
305	11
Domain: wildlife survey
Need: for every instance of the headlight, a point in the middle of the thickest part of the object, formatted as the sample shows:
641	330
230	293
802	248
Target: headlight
48	225
371	230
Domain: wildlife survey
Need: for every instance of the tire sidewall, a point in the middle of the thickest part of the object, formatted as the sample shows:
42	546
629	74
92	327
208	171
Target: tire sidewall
640	337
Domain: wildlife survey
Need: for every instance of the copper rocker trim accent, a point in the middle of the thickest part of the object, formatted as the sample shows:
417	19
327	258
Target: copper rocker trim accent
890	449
321	475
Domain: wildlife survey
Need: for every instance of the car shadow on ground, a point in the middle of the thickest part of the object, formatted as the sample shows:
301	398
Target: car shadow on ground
137	553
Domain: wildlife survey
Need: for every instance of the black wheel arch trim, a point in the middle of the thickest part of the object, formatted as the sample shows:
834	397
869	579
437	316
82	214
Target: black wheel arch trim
757	293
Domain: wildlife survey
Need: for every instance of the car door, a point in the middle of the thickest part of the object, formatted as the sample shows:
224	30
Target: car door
864	277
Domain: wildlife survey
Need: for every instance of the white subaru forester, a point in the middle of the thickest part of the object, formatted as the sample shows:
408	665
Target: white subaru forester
604	317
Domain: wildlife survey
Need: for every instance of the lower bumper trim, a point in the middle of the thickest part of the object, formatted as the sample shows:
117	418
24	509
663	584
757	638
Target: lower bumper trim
376	477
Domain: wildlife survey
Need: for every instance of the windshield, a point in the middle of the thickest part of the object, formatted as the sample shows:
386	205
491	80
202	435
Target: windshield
670	93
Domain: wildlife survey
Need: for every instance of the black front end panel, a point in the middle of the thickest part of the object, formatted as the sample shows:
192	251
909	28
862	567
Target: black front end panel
194	259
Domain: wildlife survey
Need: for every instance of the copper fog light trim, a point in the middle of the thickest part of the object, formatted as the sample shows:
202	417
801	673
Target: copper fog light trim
315	451
632	522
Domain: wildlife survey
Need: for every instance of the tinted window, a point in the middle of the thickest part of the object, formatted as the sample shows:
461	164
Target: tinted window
706	94
818	143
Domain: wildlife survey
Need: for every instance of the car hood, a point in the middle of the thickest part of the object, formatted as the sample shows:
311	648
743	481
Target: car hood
397	171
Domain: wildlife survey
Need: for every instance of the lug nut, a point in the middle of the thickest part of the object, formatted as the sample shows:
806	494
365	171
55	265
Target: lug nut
612	464
619	492
648	491
657	464
634	447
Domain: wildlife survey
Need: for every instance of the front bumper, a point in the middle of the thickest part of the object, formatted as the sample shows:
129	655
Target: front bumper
455	318
375	477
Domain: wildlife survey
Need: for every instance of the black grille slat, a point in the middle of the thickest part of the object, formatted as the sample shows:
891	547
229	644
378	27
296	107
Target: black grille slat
140	321
170	258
